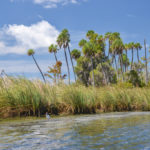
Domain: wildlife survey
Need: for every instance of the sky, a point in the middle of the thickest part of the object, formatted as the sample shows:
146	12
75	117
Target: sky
35	24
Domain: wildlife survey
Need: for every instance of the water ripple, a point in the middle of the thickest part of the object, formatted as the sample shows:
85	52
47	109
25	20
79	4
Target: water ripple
111	131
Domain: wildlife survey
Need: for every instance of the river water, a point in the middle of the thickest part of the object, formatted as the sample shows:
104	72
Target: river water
110	131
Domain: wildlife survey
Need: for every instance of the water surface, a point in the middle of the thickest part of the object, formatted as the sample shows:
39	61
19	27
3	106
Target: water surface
110	131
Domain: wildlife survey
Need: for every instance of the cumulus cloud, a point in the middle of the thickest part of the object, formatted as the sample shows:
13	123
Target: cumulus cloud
18	38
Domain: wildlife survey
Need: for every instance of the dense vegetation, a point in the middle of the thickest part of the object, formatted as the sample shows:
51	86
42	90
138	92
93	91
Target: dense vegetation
22	97
105	80
102	60
96	67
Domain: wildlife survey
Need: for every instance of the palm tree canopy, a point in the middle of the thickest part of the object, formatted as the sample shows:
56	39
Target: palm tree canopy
107	35
94	38
60	40
114	36
131	45
88	49
137	46
63	38
66	37
90	33
126	46
117	46
30	52
101	42
100	38
75	54
53	48
82	42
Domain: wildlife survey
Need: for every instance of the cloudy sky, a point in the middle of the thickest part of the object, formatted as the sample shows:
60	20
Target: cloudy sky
35	24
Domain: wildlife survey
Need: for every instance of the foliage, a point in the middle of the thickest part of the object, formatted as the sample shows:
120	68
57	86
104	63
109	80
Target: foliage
30	52
56	72
75	54
53	48
133	77
22	97
94	66
124	85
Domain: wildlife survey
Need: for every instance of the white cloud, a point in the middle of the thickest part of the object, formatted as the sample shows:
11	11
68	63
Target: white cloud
36	36
53	3
17	39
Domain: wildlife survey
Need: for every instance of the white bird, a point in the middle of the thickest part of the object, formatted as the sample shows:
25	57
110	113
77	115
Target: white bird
47	116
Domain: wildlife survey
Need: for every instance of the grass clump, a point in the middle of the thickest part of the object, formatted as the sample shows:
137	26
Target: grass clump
79	99
22	97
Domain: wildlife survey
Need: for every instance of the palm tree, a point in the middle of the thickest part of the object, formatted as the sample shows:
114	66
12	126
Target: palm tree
118	47
107	37
82	43
112	37
89	52
138	47
53	49
67	41
132	46
31	53
75	54
90	34
126	47
62	41
101	44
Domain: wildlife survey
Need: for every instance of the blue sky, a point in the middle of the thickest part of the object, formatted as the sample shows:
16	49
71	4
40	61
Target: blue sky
35	24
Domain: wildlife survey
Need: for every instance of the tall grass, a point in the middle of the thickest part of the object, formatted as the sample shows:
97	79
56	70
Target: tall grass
22	97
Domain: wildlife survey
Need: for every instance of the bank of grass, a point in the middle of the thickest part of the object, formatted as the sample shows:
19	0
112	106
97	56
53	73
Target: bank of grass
22	97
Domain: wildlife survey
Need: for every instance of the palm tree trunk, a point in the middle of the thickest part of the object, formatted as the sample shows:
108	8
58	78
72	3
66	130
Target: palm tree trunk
57	76
72	62
138	55
55	57
109	49
93	72
126	61
116	62
121	65
39	68
113	55
146	64
132	59
105	78
67	65
116	67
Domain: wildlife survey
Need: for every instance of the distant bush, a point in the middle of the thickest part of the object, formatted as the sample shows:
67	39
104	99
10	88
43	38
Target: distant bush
124	85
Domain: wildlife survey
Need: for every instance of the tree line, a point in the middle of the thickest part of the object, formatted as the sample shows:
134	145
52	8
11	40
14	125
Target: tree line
100	60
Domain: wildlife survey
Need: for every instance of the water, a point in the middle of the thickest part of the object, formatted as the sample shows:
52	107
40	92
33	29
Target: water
111	131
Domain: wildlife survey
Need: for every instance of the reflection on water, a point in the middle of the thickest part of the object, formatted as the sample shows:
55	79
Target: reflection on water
109	131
